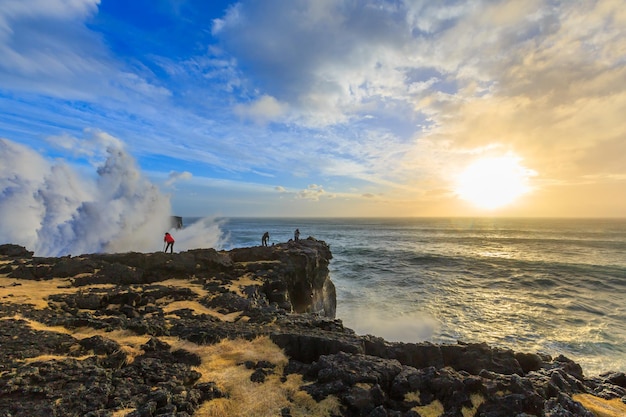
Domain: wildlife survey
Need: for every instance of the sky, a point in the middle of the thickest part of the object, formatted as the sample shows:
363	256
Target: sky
313	107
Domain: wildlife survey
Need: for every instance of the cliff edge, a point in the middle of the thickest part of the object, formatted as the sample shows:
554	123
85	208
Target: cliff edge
246	332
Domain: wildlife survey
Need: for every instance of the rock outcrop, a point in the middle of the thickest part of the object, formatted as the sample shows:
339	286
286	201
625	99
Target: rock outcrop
128	334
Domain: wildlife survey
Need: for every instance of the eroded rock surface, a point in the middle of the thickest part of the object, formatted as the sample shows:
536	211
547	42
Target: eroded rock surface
62	357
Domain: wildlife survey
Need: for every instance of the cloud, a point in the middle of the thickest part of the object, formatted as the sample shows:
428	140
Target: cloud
48	49
326	79
93	144
313	193
379	98
54	9
177	176
263	110
339	61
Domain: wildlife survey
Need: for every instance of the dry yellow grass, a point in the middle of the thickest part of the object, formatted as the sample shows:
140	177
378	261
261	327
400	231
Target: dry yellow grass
412	397
36	294
45	358
199	309
477	400
169	305
434	409
122	413
131	353
120	336
598	406
32	292
183	283
229	354
222	363
601	407
246	280
129	342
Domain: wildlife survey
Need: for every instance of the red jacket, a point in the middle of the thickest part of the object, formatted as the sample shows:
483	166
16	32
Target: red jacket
168	238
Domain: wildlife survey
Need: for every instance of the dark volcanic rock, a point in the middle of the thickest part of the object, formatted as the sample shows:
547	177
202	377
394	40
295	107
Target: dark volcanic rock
473	358
295	275
299	274
73	388
18	341
283	292
15	251
367	383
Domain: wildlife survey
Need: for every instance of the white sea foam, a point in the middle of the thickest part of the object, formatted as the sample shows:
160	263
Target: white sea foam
412	328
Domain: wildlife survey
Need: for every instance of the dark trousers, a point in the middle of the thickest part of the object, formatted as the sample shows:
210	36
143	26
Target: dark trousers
170	245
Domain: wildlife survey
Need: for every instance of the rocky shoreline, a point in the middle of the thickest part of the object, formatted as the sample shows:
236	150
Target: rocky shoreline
246	332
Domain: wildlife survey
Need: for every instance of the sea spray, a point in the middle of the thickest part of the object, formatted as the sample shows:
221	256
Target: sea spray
203	233
408	327
50	208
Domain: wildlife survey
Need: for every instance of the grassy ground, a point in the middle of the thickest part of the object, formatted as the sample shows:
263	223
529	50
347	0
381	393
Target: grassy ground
224	363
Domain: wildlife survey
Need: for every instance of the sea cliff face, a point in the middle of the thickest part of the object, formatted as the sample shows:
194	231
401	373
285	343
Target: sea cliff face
249	331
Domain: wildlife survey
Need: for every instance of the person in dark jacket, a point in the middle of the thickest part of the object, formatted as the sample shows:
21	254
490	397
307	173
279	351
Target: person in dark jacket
169	240
265	238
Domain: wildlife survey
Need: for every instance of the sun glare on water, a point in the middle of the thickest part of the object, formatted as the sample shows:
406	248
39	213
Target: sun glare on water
491	183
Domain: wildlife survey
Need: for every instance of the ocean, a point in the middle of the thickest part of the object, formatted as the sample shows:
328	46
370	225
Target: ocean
555	286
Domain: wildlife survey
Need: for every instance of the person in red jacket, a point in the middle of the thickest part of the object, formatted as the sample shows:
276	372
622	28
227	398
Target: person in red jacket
170	242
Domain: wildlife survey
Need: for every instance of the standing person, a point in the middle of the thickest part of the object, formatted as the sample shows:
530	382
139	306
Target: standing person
170	242
296	235
265	238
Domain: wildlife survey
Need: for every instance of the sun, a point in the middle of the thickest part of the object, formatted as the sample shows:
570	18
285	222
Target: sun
494	182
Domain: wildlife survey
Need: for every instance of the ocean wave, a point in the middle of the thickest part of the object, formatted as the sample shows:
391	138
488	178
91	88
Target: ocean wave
529	285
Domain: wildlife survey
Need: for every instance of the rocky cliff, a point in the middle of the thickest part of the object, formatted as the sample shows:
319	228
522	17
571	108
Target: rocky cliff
246	332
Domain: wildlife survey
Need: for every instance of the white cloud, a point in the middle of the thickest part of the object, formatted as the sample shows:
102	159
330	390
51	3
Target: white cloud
45	46
262	110
336	59
177	176
383	97
93	144
56	9
313	192
48	49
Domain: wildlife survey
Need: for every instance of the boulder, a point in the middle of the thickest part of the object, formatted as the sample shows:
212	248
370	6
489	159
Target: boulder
15	251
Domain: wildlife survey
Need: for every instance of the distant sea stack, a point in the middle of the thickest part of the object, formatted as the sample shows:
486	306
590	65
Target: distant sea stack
250	331
176	222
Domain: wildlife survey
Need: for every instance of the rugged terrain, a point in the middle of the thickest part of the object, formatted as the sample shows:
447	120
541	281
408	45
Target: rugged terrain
246	332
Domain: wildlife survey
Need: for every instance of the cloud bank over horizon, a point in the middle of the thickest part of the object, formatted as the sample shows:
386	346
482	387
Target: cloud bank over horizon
369	108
